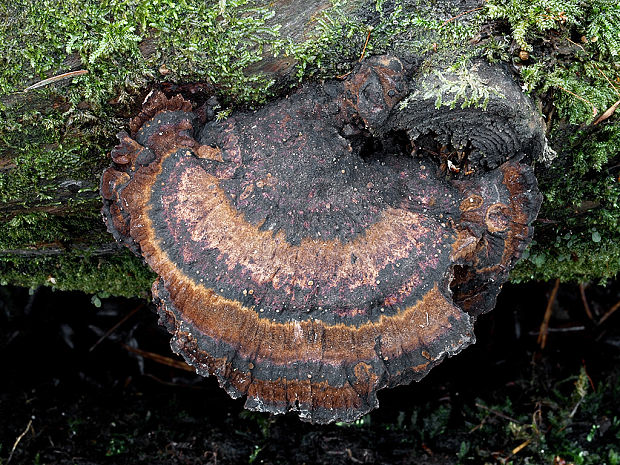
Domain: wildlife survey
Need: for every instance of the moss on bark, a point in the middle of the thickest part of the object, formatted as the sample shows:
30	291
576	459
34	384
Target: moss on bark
54	139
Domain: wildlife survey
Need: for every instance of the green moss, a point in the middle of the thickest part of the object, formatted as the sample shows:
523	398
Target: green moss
341	39
196	40
572	69
580	89
569	426
70	129
530	19
42	228
47	148
338	39
578	235
122	274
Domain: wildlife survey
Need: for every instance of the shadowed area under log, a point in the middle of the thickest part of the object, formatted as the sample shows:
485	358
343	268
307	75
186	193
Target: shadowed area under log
326	246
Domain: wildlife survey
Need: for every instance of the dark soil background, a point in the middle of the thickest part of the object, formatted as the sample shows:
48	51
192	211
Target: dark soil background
66	399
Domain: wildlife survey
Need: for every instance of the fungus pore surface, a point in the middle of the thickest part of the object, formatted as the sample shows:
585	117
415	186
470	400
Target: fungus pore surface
331	243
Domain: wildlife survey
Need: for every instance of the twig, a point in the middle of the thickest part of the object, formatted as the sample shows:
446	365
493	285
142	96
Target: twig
520	447
544	326
537	418
342	76
479	425
585	370
427	449
168	383
115	327
610	111
575	408
567	329
19	438
609	313
575	43
365	45
498	414
160	359
53	79
606	78
515	451
586	307
460	14
549	118
594	110
350	455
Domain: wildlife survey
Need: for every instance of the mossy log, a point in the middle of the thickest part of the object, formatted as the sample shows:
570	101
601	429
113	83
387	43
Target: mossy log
73	73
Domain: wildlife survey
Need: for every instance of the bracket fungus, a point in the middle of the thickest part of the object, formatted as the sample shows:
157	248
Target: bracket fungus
332	243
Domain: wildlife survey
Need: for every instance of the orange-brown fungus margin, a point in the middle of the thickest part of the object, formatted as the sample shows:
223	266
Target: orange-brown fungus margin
305	258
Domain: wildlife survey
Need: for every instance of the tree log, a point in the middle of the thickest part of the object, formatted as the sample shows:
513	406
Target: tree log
65	93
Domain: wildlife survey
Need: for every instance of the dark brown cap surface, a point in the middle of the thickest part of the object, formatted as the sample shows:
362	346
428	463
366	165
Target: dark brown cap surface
303	261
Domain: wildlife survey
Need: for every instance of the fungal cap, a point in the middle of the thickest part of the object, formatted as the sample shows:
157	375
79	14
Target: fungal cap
302	271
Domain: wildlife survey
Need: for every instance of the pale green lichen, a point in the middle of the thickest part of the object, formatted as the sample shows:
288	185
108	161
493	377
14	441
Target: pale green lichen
462	87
